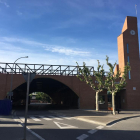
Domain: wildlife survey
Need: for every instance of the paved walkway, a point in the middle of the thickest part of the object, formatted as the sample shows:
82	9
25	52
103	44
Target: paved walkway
12	130
101	117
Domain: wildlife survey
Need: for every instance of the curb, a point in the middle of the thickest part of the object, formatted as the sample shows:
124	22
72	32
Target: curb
121	119
108	124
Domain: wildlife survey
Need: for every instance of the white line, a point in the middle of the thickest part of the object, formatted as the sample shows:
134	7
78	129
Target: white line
35	119
48	119
16	119
55	117
23	119
68	118
82	137
92	131
100	127
64	126
35	134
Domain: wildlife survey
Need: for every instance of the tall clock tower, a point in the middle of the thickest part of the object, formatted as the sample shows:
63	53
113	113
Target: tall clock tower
128	51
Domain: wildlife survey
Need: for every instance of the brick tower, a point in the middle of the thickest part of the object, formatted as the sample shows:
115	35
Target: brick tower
128	51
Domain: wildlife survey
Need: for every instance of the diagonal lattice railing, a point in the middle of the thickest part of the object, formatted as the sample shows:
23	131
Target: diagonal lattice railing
41	69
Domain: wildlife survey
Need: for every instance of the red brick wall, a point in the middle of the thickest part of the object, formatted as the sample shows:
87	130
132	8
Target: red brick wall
131	97
84	92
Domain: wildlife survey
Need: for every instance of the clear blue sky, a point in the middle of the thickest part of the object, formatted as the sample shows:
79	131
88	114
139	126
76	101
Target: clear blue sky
62	31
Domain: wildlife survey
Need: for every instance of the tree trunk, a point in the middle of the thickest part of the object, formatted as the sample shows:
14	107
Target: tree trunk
97	101
113	103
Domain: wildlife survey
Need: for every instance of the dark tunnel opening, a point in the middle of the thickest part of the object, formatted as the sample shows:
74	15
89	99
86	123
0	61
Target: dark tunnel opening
62	96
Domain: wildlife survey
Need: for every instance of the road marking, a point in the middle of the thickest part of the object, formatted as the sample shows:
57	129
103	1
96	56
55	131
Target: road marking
82	137
92	131
64	126
35	134
23	119
22	125
17	119
48	119
35	119
68	118
100	127
55	117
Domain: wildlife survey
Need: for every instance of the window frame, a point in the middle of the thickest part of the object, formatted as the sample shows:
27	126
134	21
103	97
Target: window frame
127	48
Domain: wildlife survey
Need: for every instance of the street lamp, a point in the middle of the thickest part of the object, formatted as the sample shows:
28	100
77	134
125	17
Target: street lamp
12	74
2	69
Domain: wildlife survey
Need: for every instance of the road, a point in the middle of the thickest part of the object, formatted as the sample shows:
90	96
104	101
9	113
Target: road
50	126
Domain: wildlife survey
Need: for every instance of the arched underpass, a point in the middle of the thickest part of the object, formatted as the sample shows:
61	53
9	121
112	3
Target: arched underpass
62	95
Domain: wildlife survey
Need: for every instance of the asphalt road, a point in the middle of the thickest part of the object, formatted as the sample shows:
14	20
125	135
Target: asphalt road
124	130
50	126
53	127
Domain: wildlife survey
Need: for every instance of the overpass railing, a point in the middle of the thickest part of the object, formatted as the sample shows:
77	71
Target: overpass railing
41	69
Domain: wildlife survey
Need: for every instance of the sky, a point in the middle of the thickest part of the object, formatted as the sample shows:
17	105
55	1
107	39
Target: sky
63	32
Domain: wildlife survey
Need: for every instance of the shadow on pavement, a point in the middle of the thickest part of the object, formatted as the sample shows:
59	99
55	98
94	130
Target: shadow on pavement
72	134
9	122
15	133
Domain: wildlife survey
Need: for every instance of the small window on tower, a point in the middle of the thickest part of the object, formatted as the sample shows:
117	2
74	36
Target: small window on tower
127	48
128	59
129	74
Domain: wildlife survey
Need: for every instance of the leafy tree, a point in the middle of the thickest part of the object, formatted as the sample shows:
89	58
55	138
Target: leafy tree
114	83
43	97
84	75
38	95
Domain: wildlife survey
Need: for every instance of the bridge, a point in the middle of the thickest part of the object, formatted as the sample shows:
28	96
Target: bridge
58	81
40	69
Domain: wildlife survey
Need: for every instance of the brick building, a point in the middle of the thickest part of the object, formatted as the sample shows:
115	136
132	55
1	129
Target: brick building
128	51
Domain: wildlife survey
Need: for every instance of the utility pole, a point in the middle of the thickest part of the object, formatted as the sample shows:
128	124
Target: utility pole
28	86
28	77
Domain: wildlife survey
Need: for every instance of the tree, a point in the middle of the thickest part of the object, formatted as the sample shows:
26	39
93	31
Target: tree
84	75
43	97
114	83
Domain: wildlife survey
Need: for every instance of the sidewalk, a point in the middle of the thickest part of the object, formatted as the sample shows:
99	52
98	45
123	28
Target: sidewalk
12	130
105	118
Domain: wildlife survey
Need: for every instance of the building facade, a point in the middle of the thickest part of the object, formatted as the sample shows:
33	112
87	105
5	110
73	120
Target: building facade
128	51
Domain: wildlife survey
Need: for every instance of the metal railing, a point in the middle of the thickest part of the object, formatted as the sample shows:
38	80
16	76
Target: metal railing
41	69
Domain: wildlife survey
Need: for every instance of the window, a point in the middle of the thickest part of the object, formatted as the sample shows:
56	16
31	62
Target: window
129	74
101	99
127	48
128	59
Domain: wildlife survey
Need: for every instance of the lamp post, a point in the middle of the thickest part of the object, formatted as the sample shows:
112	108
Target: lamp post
12	74
2	69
